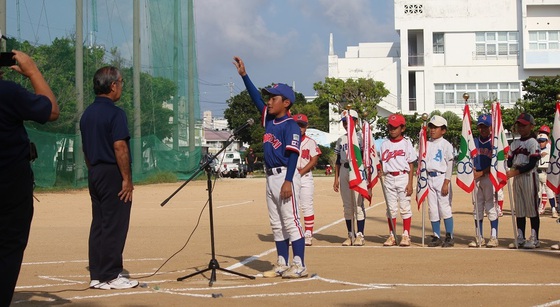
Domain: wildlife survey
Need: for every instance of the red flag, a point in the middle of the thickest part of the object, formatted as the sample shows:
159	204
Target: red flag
467	151
371	160
357	178
500	147
421	171
553	172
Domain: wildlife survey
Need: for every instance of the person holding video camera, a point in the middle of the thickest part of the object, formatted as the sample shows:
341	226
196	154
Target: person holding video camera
16	178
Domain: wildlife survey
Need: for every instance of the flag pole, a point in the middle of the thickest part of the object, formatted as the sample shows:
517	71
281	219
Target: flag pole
424	124
477	233
512	202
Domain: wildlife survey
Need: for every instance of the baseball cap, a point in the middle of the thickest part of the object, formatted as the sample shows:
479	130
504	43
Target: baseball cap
485	119
544	129
396	120
282	90
438	121
352	113
542	137
525	119
300	119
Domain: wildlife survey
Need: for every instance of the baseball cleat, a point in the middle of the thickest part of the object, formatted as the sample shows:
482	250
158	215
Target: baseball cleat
405	240
308	239
520	241
277	271
449	241
349	240
359	241
476	242
493	242
295	271
532	243
390	241
555	247
436	241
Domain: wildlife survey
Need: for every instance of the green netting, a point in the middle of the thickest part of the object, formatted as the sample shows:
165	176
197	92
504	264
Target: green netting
171	45
56	164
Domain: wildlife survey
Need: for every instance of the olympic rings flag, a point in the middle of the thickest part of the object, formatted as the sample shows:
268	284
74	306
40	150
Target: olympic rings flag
553	172
357	178
371	159
500	147
421	172
467	152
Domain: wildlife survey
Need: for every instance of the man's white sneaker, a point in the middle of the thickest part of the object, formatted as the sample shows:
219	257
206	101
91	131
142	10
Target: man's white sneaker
121	282
554	213
359	241
295	271
520	241
96	284
277	271
541	210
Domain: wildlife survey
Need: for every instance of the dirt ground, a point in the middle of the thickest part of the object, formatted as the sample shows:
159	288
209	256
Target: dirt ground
55	273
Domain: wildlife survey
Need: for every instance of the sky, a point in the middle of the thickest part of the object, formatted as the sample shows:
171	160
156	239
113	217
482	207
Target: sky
283	41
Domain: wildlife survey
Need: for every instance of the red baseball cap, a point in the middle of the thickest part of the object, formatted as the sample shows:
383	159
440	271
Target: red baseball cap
300	119
544	129
396	120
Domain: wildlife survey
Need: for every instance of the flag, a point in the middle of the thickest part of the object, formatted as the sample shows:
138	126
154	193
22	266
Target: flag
500	148
357	178
553	172
467	152
371	160
421	171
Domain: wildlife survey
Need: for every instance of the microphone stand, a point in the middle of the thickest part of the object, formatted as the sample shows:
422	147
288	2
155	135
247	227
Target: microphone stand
213	265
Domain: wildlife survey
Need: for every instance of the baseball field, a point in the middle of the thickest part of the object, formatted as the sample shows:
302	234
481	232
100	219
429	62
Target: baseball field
165	243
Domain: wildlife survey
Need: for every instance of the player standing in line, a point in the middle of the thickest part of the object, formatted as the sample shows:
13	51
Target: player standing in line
281	152
352	207
522	160
544	191
439	165
483	189
308	156
397	156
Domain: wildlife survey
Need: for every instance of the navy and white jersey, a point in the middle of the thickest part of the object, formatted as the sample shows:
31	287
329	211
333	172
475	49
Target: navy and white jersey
522	149
484	158
281	135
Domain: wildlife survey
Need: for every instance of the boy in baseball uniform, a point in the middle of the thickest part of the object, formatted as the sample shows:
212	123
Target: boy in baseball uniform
308	156
484	190
544	191
398	156
523	157
352	203
439	166
281	152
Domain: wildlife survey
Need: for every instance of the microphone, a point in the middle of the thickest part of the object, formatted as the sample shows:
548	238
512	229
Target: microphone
248	123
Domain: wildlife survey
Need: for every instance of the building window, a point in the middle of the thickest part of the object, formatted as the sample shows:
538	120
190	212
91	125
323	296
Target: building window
544	40
497	43
452	93
438	43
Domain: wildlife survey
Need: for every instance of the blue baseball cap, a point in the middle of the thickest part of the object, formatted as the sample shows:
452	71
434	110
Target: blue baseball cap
282	90
485	119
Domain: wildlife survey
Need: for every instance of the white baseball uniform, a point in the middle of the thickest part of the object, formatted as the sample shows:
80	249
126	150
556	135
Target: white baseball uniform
396	156
525	185
439	162
341	149
308	149
542	166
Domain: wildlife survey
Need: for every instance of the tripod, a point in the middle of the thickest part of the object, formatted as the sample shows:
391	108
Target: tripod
213	265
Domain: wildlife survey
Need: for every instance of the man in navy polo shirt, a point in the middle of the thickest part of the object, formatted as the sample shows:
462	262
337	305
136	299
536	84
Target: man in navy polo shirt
16	176
105	140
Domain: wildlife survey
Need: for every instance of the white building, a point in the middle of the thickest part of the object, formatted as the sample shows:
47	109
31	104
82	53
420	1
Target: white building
448	48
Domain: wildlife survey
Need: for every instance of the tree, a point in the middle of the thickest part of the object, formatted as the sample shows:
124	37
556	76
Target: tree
361	94
540	98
